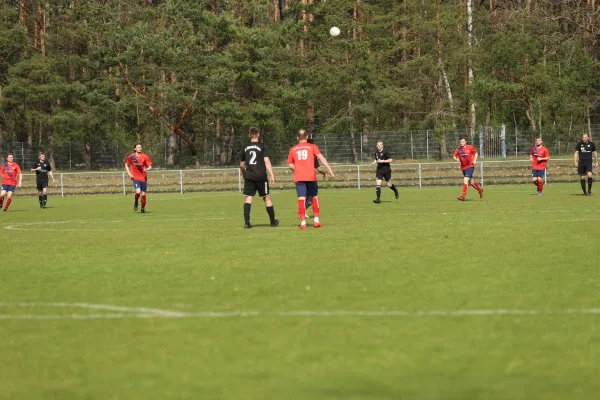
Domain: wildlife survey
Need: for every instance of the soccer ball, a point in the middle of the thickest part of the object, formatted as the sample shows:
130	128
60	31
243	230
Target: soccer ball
334	31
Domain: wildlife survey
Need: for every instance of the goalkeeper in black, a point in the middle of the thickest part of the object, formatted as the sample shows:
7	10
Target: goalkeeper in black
42	170
585	151
254	163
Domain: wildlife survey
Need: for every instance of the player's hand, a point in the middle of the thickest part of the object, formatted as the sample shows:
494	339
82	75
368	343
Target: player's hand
539	159
575	164
19	185
272	180
332	175
596	165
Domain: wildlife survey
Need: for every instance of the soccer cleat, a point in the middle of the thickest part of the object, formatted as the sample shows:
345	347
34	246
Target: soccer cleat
317	225
461	198
397	194
377	201
135	206
302	226
247	226
5	210
275	223
143	211
589	193
481	193
43	206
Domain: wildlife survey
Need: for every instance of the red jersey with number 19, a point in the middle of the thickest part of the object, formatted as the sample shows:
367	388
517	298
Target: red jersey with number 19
138	166
303	156
9	173
466	155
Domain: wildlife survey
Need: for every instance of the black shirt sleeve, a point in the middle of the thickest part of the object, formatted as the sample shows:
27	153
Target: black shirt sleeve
265	151
243	155
593	146
578	146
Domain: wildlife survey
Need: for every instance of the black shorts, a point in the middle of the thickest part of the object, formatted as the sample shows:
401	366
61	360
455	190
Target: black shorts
584	167
251	187
384	175
41	185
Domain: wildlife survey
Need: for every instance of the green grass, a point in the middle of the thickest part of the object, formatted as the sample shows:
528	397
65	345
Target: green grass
425	253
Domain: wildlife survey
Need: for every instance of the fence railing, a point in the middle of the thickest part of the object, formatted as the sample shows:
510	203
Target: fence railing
416	174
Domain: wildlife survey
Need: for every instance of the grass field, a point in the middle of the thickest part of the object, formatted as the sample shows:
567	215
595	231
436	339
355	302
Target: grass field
421	298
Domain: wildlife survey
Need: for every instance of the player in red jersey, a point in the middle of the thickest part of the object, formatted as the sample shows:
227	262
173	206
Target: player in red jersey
538	156
140	163
12	178
466	155
301	160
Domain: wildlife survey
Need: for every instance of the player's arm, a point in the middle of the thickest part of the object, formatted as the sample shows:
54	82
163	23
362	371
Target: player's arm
531	157
326	164
127	169
20	180
270	170
475	157
576	158
292	166
148	167
320	170
595	154
51	176
455	156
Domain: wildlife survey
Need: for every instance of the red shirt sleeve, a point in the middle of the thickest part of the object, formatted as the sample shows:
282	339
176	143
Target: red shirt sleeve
290	158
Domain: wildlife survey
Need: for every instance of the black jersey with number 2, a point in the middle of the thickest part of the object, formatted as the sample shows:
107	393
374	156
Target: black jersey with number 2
254	155
42	173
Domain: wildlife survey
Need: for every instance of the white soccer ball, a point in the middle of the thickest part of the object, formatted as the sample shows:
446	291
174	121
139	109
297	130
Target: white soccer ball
334	31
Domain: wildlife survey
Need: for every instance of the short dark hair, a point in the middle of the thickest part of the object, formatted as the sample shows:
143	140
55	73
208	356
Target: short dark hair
302	135
41	153
10	154
136	145
462	138
253	131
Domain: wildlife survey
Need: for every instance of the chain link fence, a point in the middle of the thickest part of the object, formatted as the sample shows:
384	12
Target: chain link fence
494	142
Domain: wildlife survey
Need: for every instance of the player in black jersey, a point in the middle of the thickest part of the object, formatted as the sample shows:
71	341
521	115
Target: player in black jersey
584	151
42	170
254	163
384	172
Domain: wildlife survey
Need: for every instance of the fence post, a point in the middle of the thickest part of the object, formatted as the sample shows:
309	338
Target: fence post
481	141
481	169
420	186
181	181
516	141
62	186
358	172
427	143
239	179
361	147
503	138
124	193
70	160
412	147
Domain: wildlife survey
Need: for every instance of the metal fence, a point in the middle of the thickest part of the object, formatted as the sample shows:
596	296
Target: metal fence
414	174
491	142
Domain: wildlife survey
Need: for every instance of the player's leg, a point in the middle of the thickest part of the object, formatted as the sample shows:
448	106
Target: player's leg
589	181
313	191
40	189
137	193
302	192
44	194
466	180
249	192
143	189
477	187
9	194
378	180
389	183
265	192
2	194
582	180
307	204
582	172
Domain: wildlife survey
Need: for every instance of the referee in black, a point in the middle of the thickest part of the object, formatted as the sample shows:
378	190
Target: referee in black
584	151
254	163
42	169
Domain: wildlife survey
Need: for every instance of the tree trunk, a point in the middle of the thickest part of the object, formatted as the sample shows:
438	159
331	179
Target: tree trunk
87	155
472	119
51	159
217	141
172	150
23	15
310	111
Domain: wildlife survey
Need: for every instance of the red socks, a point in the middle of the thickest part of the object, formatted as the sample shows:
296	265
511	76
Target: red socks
143	201
137	196
1	201
302	209
540	185
465	188
316	206
476	186
7	203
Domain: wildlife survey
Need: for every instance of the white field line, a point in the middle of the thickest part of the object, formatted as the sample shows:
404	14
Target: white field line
145	313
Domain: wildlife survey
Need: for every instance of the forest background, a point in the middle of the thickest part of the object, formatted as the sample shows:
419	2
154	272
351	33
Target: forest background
184	75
